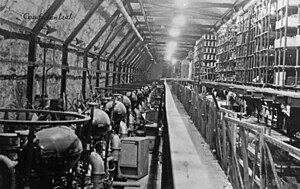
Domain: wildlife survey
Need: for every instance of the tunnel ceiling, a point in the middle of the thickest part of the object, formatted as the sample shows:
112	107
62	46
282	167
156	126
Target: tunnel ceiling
100	28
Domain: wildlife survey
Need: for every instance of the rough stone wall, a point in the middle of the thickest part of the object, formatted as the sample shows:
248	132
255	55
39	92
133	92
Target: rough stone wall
13	52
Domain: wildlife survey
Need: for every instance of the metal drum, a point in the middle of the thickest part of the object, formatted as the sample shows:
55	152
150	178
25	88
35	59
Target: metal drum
23	134
9	144
101	123
57	150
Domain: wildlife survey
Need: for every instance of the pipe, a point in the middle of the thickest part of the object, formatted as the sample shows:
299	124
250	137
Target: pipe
11	167
241	11
98	171
116	147
123	130
130	21
126	184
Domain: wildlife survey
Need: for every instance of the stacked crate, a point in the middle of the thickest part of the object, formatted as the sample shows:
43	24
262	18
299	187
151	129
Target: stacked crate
287	44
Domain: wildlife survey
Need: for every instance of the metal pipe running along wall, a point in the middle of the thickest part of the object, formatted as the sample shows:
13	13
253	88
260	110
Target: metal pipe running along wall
130	21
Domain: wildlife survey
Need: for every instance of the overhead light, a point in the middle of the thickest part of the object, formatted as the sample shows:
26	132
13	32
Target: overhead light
181	3
173	61
174	32
179	20
168	57
172	45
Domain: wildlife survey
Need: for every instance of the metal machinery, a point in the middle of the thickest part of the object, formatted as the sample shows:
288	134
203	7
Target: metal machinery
55	149
40	152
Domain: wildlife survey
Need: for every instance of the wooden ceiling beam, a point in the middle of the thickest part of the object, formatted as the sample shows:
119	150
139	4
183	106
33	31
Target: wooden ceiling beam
171	4
42	21
201	15
196	36
169	24
101	31
83	22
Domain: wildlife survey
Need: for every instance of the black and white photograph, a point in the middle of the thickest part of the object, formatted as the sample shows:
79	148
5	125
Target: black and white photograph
149	94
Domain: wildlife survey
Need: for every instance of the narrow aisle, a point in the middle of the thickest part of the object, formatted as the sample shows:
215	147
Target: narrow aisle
216	174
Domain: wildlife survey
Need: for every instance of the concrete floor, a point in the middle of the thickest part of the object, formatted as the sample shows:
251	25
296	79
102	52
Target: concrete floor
216	174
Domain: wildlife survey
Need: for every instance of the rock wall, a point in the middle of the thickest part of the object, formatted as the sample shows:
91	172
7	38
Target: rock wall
14	52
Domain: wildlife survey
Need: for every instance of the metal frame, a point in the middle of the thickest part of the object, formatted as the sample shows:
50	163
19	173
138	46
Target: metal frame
111	39
113	52
102	30
41	23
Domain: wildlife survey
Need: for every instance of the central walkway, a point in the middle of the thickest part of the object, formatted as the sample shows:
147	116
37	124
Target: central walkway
215	173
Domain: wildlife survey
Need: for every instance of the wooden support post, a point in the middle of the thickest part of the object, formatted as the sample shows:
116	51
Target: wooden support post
98	74
130	76
127	74
224	145
124	73
107	73
63	84
277	179
254	165
119	72
261	174
30	69
114	74
84	75
245	157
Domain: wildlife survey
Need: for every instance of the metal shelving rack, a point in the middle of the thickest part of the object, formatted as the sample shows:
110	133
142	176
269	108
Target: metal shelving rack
226	53
265	18
207	56
287	44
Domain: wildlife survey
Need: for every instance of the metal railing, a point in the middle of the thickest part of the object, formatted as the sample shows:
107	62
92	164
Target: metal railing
247	153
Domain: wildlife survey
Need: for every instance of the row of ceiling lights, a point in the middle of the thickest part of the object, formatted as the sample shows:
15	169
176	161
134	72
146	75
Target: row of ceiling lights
178	22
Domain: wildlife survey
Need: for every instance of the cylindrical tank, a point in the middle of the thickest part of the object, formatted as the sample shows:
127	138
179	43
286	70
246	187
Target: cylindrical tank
101	123
57	150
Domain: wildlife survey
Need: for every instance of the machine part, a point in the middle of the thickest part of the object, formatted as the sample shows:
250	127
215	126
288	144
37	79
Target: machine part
126	101
123	130
58	150
101	123
9	140
119	107
116	147
9	144
23	134
134	157
7	173
117	111
127	184
98	170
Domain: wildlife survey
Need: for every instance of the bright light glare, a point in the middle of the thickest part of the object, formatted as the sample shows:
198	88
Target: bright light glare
179	20
174	32
181	3
171	46
168	57
173	61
